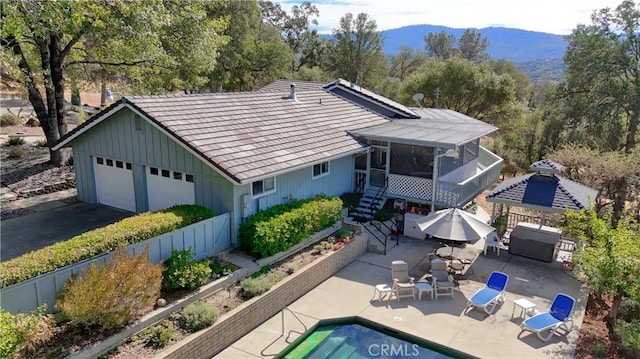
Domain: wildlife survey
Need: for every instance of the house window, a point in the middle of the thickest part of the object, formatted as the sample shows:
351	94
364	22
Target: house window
138	123
109	162
189	178
166	173
128	165
119	164
177	175
320	169
100	160
153	171
263	187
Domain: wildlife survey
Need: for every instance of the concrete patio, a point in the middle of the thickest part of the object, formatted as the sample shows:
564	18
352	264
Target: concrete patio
444	321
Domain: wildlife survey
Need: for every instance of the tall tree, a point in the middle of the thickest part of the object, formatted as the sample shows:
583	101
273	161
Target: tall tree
406	62
440	45
603	77
473	47
474	90
356	52
40	39
255	53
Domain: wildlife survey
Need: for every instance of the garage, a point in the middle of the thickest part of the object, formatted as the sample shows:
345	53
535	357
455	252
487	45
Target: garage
114	183
166	188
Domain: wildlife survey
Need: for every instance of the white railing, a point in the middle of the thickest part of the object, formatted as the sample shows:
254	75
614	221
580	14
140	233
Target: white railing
206	238
450	194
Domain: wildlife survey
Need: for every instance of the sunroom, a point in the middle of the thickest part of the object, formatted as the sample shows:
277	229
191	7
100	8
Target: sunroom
436	159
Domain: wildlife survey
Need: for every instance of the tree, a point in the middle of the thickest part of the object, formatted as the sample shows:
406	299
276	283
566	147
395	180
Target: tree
465	87
608	258
407	61
614	174
440	45
356	51
603	77
41	39
473	47
255	53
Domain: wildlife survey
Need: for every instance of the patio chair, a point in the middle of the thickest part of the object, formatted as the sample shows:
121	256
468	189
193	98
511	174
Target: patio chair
442	282
556	317
403	284
491	295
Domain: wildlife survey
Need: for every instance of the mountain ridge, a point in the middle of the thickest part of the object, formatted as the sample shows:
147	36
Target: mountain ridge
506	43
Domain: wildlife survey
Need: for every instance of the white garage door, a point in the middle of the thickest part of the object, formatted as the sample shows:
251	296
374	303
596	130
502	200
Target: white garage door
166	188
114	183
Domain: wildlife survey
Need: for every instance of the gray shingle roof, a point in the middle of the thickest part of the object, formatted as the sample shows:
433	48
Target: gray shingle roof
253	135
551	193
437	127
284	86
346	85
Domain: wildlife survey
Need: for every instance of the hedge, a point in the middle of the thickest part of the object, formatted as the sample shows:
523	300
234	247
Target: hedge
98	241
281	227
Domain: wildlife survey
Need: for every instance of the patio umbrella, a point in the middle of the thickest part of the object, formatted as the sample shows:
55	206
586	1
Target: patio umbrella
455	225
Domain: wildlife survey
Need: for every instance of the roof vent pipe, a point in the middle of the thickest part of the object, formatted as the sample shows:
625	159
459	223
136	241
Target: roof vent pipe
292	94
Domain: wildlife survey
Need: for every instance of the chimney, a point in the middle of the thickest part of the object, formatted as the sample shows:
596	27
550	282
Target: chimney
292	94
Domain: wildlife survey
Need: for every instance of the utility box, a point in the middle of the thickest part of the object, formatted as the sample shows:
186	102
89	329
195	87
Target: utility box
535	241
411	228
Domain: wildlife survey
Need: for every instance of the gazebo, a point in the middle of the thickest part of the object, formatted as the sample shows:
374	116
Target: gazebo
543	190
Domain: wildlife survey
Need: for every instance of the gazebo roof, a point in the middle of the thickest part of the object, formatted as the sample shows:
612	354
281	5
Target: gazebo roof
548	193
546	166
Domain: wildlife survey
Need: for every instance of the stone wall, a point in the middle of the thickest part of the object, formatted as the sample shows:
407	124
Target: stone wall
248	316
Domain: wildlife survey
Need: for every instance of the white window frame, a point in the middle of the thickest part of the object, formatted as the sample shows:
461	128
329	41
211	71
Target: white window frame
322	174
263	193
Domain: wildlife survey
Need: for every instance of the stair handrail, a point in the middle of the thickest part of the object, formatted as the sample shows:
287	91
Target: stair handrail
378	197
282	332
384	243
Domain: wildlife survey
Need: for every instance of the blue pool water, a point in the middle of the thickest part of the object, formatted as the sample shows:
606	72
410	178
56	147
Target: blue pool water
352	341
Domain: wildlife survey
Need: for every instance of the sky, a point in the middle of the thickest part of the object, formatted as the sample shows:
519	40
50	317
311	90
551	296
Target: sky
558	17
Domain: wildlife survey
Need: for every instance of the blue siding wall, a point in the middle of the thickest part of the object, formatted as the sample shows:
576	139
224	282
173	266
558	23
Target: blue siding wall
117	138
299	184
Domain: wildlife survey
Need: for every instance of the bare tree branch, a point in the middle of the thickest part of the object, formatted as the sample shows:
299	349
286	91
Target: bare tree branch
108	63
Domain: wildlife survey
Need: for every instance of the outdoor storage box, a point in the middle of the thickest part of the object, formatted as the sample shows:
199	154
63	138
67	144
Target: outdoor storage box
411	227
534	241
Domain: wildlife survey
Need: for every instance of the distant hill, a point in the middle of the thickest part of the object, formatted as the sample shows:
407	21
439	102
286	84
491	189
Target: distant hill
504	43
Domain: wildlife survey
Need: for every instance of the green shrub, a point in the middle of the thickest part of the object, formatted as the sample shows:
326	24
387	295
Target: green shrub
629	309
15	141
41	143
183	272
160	336
255	286
9	119
24	330
198	316
281	227
598	349
263	270
15	152
629	333
98	241
112	295
221	266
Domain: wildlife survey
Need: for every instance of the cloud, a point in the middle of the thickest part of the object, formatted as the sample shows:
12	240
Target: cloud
552	16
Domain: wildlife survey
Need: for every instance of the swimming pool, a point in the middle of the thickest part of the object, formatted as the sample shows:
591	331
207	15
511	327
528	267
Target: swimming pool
356	338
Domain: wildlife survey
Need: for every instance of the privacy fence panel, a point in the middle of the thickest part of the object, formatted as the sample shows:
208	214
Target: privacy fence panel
206	238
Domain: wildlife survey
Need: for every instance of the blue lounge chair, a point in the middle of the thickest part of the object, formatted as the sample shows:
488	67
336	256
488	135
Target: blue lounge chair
556	317
488	297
